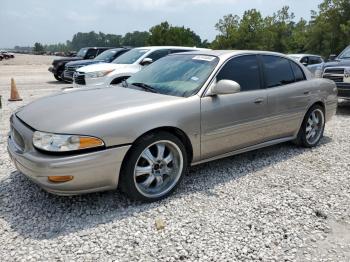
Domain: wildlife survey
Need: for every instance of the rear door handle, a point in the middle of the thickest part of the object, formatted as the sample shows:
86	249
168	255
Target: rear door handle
307	93
259	100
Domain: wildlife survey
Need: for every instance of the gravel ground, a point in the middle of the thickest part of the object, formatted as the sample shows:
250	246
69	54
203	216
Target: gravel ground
282	203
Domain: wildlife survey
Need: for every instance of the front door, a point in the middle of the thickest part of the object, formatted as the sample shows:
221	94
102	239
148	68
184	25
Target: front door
234	121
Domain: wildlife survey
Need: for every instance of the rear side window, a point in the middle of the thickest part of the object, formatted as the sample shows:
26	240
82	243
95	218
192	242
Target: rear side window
244	70
158	54
315	60
298	72
277	71
305	60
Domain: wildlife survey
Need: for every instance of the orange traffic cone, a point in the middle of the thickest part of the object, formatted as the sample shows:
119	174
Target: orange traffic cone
14	92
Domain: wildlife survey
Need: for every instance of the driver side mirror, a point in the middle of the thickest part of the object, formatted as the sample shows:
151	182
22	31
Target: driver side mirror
224	87
304	63
332	57
146	61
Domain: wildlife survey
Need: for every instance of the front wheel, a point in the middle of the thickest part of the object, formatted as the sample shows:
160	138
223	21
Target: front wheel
312	128
57	77
154	167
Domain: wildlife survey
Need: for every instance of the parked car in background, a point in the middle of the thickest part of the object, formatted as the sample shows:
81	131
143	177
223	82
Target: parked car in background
58	65
105	57
105	74
7	55
338	70
312	62
184	109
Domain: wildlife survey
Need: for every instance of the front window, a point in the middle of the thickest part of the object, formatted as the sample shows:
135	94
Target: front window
82	52
106	55
345	54
130	57
176	75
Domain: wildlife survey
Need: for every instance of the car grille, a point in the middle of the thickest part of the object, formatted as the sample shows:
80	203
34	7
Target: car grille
79	79
335	74
71	68
334	71
17	138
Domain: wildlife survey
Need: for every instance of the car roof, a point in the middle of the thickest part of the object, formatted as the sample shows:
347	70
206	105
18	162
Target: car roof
224	54
96	47
301	55
170	47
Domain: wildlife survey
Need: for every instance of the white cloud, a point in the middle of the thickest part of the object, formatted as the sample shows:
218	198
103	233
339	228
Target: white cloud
79	17
165	5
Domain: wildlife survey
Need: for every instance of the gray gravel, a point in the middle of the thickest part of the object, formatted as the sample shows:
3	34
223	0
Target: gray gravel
282	203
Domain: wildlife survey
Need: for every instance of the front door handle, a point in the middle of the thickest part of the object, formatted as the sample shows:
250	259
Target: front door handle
307	93
259	100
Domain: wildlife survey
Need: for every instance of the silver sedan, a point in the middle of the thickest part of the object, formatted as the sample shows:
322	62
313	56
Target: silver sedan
184	109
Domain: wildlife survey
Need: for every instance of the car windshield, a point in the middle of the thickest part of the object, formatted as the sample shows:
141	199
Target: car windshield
82	52
130	57
176	75
106	55
345	54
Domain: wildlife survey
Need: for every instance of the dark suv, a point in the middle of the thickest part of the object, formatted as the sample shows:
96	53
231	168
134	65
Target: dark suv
338	70
105	57
58	65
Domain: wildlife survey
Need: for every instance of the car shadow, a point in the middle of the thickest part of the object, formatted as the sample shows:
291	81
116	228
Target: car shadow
34	213
343	107
54	82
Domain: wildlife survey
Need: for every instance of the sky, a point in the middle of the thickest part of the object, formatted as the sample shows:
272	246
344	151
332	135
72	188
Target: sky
48	21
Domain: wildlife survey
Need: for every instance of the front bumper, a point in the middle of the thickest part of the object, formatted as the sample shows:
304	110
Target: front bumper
68	75
52	70
92	172
343	90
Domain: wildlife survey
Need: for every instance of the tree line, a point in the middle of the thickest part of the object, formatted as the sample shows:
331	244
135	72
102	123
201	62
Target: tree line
327	32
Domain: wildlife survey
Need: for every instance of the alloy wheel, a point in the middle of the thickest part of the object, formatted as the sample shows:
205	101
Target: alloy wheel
314	126
158	169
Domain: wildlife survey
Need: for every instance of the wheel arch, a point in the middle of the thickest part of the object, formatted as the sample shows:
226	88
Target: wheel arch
180	134
318	102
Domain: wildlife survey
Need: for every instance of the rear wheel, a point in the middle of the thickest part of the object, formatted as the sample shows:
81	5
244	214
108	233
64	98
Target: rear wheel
312	128
154	167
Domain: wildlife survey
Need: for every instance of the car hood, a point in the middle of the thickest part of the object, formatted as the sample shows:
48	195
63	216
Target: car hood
84	62
66	59
106	66
85	111
340	62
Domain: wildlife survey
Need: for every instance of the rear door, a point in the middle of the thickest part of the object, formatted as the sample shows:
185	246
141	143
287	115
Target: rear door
287	97
234	121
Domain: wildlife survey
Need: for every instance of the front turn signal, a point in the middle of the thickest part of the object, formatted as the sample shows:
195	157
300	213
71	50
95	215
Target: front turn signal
60	179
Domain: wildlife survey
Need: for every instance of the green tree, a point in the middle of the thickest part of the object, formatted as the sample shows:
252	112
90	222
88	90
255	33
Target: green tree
135	39
166	34
38	48
228	32
330	27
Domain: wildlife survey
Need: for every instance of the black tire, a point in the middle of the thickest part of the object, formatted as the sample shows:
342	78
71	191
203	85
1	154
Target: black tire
57	77
127	179
302	139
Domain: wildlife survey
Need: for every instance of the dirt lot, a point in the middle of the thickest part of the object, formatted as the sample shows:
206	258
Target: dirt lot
277	204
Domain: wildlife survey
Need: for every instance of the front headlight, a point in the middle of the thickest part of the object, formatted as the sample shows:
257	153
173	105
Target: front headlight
64	143
98	74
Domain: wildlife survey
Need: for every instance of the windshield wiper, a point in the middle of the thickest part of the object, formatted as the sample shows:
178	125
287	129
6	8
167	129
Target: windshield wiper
145	87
